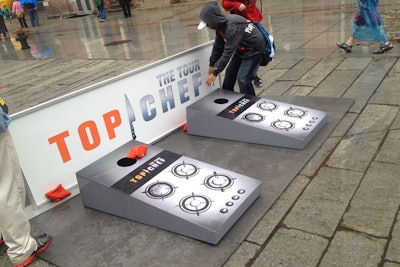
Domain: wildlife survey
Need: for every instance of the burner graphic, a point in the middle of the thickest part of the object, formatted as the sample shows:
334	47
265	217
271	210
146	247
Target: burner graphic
185	170
295	112
253	117
195	204
283	125
160	190
218	181
268	106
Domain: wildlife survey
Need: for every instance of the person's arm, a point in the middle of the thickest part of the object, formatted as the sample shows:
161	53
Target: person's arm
233	6
232	40
4	118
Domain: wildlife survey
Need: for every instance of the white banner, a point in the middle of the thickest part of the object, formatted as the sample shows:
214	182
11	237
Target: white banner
58	138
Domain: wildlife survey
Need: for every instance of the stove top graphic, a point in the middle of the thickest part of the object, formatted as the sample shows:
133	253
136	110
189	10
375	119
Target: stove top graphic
169	191
234	116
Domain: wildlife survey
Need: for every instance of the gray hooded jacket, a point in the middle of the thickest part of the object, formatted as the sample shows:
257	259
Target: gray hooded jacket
234	34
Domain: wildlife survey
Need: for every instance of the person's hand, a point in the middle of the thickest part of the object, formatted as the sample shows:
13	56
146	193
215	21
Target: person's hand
242	7
210	80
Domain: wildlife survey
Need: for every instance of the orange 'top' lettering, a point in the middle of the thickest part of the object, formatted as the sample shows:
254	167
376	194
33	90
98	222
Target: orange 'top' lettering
112	120
88	144
59	139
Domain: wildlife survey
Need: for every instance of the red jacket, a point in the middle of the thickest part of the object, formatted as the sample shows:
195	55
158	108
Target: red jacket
251	12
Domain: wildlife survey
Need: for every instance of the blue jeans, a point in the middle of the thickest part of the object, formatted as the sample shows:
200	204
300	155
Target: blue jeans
245	71
102	11
33	15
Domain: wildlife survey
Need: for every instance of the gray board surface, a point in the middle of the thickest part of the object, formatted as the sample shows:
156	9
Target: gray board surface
87	237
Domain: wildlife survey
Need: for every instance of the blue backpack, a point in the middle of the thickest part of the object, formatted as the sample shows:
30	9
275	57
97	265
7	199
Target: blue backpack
269	52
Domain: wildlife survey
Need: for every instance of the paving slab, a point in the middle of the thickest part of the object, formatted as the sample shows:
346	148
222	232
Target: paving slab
374	118
350	249
274	216
243	255
277	88
393	252
319	72
367	83
296	72
389	151
356	152
336	83
315	163
320	207
290	247
345	125
374	206
355	63
388	92
299	90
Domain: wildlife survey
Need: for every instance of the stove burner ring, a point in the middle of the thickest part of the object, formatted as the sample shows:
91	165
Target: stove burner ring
283	125
195	204
295	112
218	181
185	170
160	190
253	117
268	106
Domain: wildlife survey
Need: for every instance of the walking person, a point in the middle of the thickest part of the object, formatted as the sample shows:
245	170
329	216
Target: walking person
31	6
14	226
367	26
19	12
237	40
3	27
102	10
126	7
249	10
7	14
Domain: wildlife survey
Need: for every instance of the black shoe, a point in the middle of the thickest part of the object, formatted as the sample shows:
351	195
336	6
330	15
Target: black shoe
257	82
383	48
345	47
43	241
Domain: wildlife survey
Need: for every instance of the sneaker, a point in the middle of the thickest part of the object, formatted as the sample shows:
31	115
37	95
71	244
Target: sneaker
383	48
345	47
257	82
43	241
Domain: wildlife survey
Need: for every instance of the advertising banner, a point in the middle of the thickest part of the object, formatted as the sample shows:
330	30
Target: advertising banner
56	139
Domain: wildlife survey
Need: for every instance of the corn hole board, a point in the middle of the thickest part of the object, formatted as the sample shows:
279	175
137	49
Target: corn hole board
234	116
168	191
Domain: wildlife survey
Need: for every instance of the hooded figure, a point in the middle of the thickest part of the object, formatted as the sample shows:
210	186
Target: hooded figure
237	39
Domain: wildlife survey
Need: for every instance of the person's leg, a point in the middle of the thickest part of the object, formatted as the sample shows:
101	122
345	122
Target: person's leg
31	16
24	22
128	6
348	45
257	82
20	22
14	225
231	73
36	17
246	74
102	12
385	44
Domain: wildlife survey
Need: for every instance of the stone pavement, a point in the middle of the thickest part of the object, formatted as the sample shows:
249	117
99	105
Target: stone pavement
342	209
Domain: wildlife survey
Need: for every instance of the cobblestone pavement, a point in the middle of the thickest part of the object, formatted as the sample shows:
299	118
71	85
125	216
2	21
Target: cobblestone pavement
342	209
